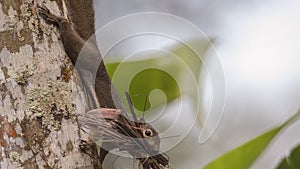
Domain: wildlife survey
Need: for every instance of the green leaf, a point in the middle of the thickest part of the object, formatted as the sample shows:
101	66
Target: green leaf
292	161
243	156
130	76
173	73
284	164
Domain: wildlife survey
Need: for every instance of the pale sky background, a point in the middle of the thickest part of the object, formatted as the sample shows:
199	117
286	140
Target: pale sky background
258	46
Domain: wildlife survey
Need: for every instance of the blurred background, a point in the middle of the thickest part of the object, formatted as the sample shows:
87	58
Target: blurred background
257	44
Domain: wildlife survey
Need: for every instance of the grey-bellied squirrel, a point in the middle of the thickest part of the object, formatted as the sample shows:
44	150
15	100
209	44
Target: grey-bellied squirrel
77	35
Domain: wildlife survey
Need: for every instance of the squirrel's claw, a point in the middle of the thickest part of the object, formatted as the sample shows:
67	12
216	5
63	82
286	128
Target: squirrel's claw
85	146
45	13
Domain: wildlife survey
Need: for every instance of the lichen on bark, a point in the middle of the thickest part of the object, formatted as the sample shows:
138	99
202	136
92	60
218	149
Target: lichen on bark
38	92
50	104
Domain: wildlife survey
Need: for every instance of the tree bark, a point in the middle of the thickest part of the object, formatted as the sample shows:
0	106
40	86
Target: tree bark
40	95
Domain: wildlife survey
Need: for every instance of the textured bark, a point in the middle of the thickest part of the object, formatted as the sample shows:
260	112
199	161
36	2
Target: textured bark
40	95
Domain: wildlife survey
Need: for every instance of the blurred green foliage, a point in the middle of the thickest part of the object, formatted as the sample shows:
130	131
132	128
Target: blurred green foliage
292	161
242	157
173	72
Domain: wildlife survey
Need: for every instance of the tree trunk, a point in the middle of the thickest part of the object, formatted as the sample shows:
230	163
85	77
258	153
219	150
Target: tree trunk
39	96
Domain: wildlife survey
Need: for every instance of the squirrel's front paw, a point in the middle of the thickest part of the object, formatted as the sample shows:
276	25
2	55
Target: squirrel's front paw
45	13
86	146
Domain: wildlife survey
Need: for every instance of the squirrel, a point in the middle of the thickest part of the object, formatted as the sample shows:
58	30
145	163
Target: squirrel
78	39
76	32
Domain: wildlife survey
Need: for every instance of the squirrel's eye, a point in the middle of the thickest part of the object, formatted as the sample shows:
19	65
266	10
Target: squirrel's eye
148	133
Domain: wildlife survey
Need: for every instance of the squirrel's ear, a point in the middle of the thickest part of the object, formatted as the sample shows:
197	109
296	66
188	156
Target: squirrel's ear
105	113
142	120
